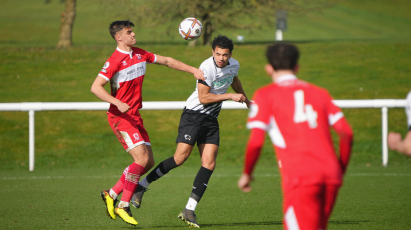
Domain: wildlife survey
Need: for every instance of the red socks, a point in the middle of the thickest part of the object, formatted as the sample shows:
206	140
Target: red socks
131	178
118	188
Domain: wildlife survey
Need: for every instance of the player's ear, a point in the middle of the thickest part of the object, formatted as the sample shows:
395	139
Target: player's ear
118	38
269	69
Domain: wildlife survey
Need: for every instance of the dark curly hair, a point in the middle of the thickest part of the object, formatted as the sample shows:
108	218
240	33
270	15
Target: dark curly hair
223	42
117	26
282	56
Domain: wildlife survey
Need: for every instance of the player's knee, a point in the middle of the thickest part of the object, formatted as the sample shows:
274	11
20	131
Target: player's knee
209	164
180	158
149	165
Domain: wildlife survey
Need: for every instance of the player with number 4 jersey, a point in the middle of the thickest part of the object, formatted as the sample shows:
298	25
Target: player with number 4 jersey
297	116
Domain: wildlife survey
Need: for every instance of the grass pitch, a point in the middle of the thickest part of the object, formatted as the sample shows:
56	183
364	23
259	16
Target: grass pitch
356	49
371	198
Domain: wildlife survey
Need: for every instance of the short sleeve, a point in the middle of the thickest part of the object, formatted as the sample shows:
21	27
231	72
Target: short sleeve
258	116
207	72
146	55
150	57
334	112
108	70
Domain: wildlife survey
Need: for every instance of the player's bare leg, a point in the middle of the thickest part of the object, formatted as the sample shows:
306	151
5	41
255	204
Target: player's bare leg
208	153
181	154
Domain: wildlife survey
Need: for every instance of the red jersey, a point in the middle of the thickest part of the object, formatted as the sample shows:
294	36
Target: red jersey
297	116
125	71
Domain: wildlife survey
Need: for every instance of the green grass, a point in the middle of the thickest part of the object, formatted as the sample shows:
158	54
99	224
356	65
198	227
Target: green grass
357	50
349	70
35	24
371	198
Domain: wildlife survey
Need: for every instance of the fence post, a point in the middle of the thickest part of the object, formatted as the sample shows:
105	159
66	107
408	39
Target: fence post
31	140
384	111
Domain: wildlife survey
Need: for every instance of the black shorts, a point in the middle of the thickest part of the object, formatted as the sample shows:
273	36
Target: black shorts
198	127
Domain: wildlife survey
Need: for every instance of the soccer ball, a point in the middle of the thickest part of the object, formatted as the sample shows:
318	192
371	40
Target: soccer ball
190	29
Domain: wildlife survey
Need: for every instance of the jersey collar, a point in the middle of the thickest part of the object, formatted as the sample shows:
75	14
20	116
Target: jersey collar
285	77
125	52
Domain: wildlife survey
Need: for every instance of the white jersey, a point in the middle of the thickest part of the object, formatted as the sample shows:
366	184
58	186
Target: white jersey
408	110
218	79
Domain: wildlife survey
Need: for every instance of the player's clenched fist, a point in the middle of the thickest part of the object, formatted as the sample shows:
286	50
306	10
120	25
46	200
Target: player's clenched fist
244	182
123	107
238	97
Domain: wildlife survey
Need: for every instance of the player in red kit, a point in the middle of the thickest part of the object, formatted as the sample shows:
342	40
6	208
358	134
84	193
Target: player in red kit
125	70
297	116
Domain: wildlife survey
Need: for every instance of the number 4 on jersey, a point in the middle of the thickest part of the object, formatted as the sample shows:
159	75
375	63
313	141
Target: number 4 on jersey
302	112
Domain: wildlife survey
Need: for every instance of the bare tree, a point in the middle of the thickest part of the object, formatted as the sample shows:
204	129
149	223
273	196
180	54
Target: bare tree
66	27
230	14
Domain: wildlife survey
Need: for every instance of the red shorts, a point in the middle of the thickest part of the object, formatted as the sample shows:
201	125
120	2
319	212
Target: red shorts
129	130
309	207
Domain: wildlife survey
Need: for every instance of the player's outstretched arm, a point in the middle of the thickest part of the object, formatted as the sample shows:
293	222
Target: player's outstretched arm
238	88
205	97
402	146
178	65
98	89
253	150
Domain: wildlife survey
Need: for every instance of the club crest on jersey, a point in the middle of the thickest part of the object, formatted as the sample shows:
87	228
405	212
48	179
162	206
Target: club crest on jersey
187	137
204	71
124	63
138	56
106	65
136	137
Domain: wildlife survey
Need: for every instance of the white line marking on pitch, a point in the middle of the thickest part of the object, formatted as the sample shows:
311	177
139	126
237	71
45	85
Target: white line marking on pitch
193	175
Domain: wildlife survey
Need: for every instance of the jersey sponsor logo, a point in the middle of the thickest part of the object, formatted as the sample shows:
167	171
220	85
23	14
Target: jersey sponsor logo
232	72
127	74
131	71
187	137
106	65
124	63
104	71
223	82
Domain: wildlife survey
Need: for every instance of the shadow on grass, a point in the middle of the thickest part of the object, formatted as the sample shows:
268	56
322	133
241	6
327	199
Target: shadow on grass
341	222
183	225
263	223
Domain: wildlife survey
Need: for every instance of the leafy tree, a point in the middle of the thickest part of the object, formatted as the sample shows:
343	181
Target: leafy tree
230	14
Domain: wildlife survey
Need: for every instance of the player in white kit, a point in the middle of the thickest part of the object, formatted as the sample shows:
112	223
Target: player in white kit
199	124
394	139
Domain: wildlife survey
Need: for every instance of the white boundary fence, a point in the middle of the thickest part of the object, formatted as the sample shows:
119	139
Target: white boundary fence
32	107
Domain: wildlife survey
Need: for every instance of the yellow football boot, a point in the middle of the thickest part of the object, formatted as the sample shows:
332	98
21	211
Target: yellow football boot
109	202
126	215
